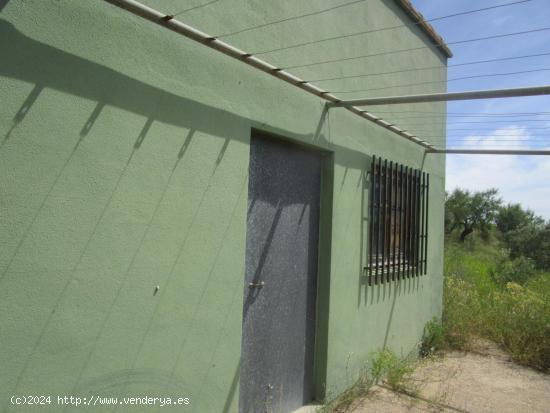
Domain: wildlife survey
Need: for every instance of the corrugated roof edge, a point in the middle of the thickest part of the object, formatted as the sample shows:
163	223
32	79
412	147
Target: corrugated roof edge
426	27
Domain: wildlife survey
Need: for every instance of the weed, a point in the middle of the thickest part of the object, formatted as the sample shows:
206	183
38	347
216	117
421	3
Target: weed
344	401
433	339
480	300
386	367
395	370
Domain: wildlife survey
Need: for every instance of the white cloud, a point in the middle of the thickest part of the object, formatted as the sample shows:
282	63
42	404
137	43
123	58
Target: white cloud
523	179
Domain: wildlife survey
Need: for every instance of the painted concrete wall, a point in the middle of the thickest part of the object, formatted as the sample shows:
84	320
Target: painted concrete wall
123	167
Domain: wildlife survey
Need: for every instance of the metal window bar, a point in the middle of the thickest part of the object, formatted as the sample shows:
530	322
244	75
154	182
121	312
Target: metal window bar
413	226
371	217
379	222
396	188
415	238
398	222
409	220
384	199
427	221
422	220
418	232
387	221
402	222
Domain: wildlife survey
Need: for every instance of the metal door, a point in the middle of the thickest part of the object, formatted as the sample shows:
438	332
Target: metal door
281	274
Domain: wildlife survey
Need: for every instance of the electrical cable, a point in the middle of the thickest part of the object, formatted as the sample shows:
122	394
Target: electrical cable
199	6
501	59
477	39
344	36
288	19
445	81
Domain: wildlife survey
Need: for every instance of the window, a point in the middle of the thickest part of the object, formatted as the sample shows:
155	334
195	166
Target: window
398	222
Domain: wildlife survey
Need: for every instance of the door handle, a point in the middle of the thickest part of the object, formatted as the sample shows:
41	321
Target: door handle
256	285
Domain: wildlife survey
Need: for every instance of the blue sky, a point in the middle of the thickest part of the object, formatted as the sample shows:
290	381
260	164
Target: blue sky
519	179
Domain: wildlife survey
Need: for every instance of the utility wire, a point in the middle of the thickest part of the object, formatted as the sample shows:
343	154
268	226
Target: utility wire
428	114
464	113
453	118
455	122
519	138
260	26
444	81
199	6
496	36
492	144
501	59
391	28
474	139
543	136
481	129
477	139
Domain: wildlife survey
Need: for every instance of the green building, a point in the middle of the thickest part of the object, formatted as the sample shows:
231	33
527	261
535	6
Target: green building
177	223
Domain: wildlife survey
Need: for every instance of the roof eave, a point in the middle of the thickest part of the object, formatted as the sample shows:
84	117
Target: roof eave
427	28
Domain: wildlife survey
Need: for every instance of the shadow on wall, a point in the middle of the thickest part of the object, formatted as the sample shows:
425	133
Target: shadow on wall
77	76
80	77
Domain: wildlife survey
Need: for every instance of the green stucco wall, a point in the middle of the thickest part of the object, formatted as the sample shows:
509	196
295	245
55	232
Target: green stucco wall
123	167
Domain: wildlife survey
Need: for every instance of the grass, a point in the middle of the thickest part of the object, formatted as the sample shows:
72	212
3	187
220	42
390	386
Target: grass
481	301
386	367
395	371
485	295
345	400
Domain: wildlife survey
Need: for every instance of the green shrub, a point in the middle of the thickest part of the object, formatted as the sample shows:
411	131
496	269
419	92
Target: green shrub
396	370
433	339
461	312
520	323
517	271
480	300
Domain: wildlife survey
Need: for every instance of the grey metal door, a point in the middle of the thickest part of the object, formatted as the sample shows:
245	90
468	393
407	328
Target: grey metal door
281	274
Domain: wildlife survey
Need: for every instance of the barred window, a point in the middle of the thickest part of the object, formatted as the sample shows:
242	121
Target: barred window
398	222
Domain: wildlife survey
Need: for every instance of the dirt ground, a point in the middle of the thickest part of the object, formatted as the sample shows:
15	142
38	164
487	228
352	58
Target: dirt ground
476	382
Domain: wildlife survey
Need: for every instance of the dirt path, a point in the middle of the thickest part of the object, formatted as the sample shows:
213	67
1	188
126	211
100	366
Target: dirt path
485	381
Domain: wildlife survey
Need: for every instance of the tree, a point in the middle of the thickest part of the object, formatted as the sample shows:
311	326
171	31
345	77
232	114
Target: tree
532	241
512	217
525	234
471	212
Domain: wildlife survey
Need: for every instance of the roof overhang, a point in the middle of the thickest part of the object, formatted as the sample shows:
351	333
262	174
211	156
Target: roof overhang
427	28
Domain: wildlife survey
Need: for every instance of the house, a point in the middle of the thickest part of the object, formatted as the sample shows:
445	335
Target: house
176	223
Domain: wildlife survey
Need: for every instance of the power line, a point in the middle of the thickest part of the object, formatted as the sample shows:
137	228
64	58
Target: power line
452	118
482	129
495	145
464	113
430	139
455	122
391	28
200	6
496	135
497	36
406	115
492	136
474	140
288	19
544	139
445	81
501	59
